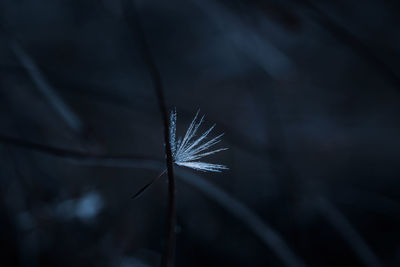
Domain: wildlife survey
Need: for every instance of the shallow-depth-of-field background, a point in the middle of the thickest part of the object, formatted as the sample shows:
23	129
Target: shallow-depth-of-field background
307	93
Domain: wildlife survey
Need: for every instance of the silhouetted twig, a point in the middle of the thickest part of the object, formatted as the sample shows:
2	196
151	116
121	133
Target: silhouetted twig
134	20
141	190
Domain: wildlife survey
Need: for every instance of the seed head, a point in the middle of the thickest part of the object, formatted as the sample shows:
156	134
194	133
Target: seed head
187	151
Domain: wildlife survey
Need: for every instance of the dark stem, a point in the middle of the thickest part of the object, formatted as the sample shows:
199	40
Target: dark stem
134	20
138	193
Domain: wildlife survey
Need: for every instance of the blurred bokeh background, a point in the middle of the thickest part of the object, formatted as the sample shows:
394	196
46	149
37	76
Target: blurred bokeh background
307	93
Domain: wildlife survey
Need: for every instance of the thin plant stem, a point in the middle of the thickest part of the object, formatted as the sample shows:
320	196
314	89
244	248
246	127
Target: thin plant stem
134	20
139	192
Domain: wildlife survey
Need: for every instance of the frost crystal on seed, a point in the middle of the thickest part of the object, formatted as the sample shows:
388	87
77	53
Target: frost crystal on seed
187	151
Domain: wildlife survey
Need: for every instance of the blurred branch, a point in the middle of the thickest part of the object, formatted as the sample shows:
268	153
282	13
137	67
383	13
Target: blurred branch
336	219
284	172
272	61
283	169
248	40
368	200
348	232
69	116
346	37
85	158
254	223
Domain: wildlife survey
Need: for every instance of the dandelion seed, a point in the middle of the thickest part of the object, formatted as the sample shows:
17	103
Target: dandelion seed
187	151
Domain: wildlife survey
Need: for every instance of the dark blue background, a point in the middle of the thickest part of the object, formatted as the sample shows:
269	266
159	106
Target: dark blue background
306	92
